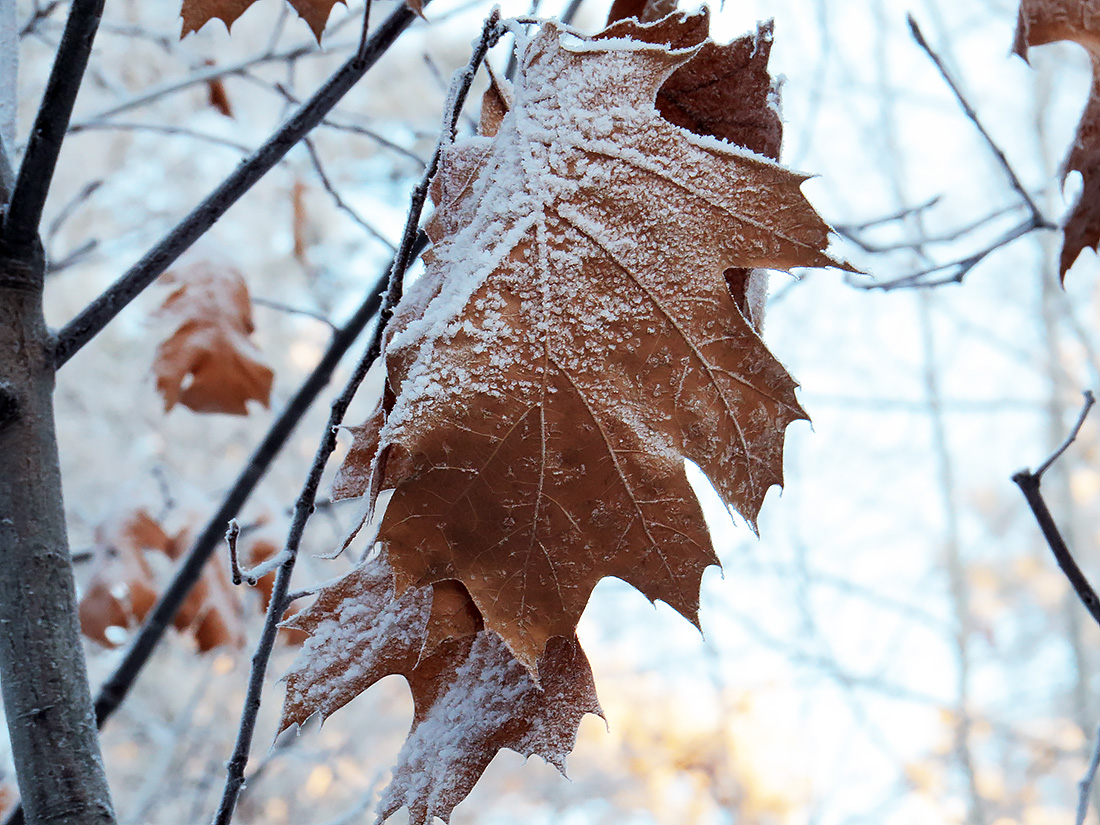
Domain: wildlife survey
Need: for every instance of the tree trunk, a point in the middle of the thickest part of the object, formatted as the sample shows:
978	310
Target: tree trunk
42	673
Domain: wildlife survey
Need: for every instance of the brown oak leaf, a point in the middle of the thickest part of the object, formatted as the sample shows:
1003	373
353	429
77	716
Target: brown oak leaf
1045	21
471	697
209	362
573	340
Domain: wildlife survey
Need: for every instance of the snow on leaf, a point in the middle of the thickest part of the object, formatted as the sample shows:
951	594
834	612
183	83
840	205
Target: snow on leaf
1045	21
471	697
573	340
725	91
209	362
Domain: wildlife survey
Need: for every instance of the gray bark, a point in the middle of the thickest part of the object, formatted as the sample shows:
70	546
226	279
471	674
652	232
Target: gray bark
42	672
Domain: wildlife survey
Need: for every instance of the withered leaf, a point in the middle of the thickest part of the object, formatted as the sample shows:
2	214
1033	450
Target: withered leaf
124	586
197	13
209	362
122	589
471	697
725	91
1045	21
573	340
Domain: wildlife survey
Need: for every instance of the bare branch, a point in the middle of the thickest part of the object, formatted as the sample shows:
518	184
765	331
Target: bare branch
1028	483
103	309
961	267
1039	221
340	203
36	171
1085	784
304	506
231	534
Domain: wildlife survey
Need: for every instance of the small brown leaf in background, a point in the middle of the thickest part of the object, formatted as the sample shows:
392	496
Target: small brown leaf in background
121	590
1046	21
215	93
472	698
124	585
209	362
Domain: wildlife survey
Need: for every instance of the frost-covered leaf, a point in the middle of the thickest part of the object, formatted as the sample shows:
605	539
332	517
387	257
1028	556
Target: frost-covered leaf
472	698
573	340
1045	21
209	362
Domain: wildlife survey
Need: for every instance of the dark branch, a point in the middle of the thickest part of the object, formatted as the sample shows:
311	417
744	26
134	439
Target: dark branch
304	506
103	309
1029	482
1037	216
36	171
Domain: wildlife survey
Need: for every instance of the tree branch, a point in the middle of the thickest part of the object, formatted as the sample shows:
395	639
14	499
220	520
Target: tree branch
103	309
36	172
1029	482
304	506
1037	216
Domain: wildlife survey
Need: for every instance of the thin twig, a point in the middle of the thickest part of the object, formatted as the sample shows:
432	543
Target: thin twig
1039	221
159	128
1085	785
329	123
1065	445
962	266
231	534
36	171
304	506
40	13
894	216
310	49
1029	482
103	309
67	211
73	258
340	203
279	306
928	240
362	50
